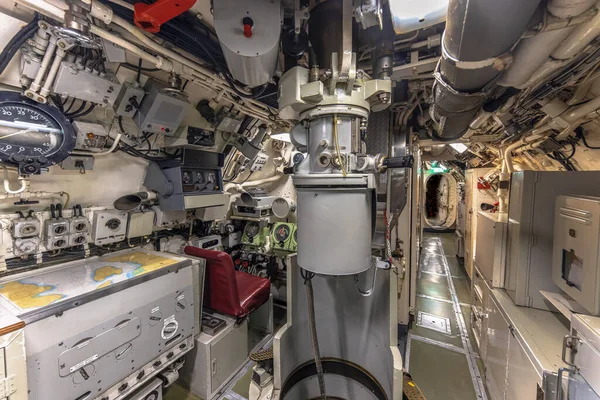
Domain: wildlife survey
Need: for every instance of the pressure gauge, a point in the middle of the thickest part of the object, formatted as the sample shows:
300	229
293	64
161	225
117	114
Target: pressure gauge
252	229
32	135
282	233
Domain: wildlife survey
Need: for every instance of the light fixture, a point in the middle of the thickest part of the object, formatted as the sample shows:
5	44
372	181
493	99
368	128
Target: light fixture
284	137
459	147
410	15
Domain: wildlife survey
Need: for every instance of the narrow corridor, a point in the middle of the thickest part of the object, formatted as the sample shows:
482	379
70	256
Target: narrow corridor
440	354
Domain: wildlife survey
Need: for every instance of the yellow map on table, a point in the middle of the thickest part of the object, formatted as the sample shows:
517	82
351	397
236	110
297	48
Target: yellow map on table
46	288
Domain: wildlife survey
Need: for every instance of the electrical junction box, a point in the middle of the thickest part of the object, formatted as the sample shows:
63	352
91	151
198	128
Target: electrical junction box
56	227
162	109
57	242
200	137
281	237
140	224
25	227
211	242
72	81
108	226
129	99
89	135
259	162
255	235
253	206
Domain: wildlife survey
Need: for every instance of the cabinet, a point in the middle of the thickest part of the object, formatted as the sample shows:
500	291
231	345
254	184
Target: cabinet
496	358
215	359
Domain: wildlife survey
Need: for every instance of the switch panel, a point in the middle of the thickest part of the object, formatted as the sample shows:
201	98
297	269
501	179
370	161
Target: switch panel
109	226
56	227
25	227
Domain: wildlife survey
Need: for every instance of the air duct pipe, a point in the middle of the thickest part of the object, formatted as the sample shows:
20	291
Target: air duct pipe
479	34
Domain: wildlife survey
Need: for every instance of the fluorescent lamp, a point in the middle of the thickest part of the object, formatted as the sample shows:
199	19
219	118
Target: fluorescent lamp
284	137
459	147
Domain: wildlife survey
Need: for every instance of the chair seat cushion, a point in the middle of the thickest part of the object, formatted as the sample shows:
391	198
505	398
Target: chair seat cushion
252	290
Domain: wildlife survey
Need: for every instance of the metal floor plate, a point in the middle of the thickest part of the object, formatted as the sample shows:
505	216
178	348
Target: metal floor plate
434	322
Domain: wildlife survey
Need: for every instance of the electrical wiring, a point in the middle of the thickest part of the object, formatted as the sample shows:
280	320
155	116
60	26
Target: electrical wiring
579	133
77	111
11	48
337	145
84	113
132	151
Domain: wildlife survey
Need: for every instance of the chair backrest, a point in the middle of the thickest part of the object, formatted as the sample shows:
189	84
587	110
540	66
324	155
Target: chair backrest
221	291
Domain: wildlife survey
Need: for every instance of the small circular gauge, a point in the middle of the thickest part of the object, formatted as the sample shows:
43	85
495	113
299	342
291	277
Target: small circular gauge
199	177
252	229
282	233
186	178
32	135
210	177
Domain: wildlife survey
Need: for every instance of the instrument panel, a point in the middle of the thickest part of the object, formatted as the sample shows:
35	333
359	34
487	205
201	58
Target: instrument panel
32	135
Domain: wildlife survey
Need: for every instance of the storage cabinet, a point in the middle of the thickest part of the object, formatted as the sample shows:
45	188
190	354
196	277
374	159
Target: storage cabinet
496	359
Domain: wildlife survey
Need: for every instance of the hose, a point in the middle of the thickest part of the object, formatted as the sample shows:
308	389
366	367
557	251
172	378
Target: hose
313	330
16	42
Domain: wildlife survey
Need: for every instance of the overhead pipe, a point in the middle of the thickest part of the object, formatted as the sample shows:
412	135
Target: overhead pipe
475	48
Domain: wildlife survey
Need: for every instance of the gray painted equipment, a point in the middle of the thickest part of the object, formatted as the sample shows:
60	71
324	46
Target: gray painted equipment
249	35
475	49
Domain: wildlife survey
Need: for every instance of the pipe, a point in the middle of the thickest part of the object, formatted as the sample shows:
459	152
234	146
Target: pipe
574	114
569	8
35	85
196	73
530	55
60	54
579	39
478	36
7	187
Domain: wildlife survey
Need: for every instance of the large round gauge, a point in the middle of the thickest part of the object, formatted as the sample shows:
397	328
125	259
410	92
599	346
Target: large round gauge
32	135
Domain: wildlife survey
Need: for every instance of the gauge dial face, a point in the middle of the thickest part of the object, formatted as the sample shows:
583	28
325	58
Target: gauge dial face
282	233
252	229
28	131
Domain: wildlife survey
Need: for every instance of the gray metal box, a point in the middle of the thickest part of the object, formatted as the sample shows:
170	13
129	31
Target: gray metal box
105	325
215	359
84	85
162	110
129	99
531	227
576	258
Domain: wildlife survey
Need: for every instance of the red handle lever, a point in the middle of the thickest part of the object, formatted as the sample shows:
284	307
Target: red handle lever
151	17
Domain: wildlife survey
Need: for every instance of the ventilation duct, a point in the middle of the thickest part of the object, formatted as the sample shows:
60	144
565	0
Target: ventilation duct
475	49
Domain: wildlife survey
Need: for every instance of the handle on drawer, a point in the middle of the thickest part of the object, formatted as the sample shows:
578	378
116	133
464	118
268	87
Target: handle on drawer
567	343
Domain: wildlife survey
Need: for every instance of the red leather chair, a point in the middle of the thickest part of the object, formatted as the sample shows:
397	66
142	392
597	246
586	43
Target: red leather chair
229	291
